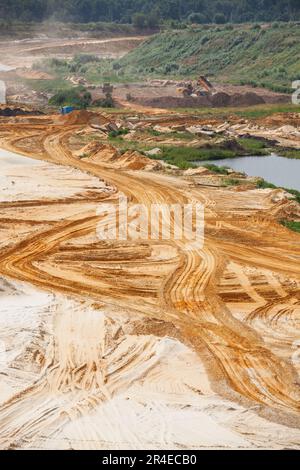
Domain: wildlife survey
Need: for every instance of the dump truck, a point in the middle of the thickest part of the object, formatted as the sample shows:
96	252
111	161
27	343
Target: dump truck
205	83
200	87
107	88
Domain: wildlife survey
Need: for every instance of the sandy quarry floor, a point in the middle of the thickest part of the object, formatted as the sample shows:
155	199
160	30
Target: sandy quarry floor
147	344
24	53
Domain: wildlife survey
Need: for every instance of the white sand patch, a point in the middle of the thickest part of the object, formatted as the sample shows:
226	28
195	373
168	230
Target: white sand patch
23	178
88	383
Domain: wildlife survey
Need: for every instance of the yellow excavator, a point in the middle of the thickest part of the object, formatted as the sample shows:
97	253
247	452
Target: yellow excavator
201	87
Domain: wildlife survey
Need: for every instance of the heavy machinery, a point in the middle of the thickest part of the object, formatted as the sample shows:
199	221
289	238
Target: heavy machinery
200	87
107	88
205	83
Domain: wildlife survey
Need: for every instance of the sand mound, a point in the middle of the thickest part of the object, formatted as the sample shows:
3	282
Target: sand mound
77	117
218	100
133	160
89	150
201	170
102	153
246	99
107	154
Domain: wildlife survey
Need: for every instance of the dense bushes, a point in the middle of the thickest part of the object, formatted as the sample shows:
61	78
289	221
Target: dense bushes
77	97
125	11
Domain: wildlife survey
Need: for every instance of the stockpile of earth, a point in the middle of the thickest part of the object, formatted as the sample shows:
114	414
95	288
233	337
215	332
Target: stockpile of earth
10	112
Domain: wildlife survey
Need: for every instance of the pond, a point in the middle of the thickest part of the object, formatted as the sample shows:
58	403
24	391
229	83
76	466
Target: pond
281	171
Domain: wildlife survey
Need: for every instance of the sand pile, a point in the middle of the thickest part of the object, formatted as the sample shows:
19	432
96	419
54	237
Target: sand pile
12	111
201	170
102	153
246	99
174	102
77	117
133	160
90	149
218	100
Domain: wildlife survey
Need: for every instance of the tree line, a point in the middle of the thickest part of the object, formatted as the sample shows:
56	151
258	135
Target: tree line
150	13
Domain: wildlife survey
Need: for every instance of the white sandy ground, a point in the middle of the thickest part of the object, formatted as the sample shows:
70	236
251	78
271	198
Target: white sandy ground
23	178
148	392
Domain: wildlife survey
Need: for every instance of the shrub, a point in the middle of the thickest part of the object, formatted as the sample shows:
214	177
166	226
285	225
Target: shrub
139	20
77	97
222	170
118	133
197	18
106	102
219	18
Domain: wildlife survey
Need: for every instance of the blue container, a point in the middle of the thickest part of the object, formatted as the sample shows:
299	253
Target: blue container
67	109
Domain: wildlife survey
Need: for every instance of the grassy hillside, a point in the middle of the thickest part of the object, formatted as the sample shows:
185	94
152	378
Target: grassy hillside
268	57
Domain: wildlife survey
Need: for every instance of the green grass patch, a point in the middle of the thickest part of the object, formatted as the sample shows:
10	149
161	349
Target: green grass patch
262	184
220	170
231	182
118	133
254	146
291	224
77	97
260	57
253	112
292	153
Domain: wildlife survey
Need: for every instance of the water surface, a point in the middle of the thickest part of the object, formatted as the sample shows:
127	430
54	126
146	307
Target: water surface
281	171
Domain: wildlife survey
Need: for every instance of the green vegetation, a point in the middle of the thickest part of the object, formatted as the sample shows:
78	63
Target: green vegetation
220	170
118	133
292	153
254	112
231	181
125	11
183	157
295	193
107	102
77	97
267	57
94	69
262	184
254	146
291	224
